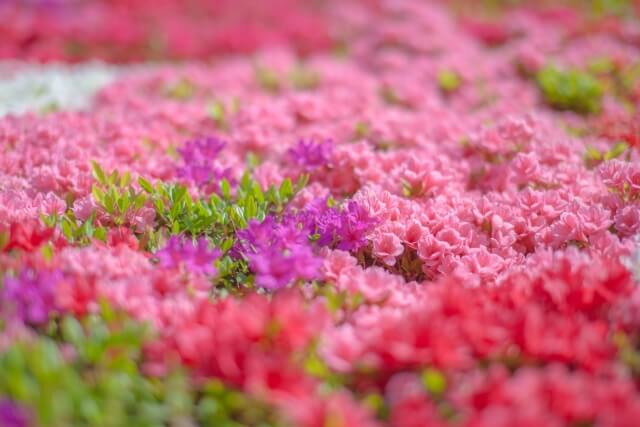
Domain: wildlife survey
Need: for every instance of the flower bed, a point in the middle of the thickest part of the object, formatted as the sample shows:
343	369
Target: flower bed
431	220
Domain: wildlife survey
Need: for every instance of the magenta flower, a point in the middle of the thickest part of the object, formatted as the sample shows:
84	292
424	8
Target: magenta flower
278	253
182	253
276	267
345	228
31	295
311	155
199	166
200	150
12	414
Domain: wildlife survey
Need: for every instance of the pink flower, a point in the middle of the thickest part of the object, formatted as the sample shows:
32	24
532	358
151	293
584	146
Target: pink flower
483	264
627	220
525	168
387	247
337	263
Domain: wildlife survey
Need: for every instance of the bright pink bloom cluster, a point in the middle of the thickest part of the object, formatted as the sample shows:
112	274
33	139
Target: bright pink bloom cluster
426	229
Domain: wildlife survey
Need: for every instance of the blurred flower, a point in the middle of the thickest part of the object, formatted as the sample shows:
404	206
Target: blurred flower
199	166
311	155
181	253
12	414
31	295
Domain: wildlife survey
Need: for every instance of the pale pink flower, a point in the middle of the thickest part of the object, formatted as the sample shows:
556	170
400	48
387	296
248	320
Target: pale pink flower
627	220
387	247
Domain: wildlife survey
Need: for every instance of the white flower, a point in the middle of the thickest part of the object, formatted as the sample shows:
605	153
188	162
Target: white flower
29	88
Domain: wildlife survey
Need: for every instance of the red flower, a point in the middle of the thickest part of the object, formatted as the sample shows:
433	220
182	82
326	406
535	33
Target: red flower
29	236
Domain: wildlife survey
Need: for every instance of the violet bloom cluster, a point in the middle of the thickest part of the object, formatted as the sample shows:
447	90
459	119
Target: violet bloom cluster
30	297
198	156
12	414
182	253
281	252
278	253
344	228
311	155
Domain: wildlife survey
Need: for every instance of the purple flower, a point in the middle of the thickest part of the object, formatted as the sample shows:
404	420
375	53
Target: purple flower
354	227
278	253
311	155
200	150
199	167
31	295
281	252
201	174
275	268
183	253
345	228
257	236
12	414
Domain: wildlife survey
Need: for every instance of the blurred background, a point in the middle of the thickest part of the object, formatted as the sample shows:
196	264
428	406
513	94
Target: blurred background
124	31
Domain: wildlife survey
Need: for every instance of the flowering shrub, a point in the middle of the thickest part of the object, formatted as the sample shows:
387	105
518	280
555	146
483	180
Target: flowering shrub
361	214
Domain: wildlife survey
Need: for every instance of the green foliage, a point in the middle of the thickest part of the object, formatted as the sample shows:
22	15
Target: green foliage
86	373
317	368
218	113
612	7
267	79
75	231
115	194
217	217
221	215
232	273
434	382
361	130
182	90
94	381
341	301
594	157
304	78
449	81
220	406
570	90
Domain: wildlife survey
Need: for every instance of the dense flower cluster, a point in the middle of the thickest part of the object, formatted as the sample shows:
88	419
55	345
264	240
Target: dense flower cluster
381	213
277	253
125	30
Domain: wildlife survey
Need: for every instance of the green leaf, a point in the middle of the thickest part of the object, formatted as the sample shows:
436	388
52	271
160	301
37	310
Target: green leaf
159	204
4	239
593	154
227	244
98	194
87	228
434	381
225	188
72	330
286	189
218	113
252	160
449	81
139	201
114	177
47	250
616	151
361	130
125	179
100	233
302	181
570	90
145	185
98	172
303	78
67	229
267	79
